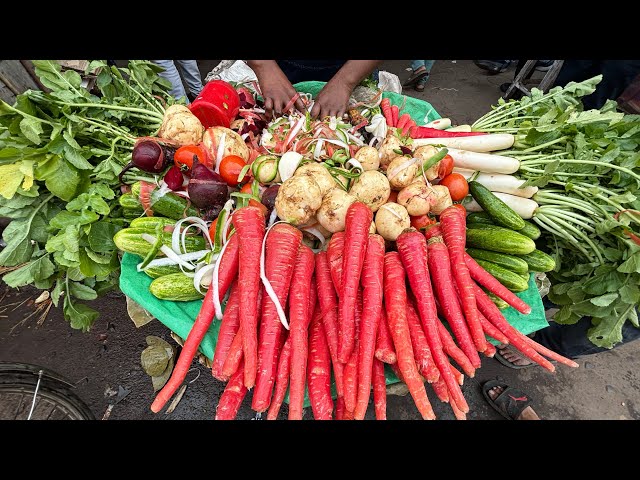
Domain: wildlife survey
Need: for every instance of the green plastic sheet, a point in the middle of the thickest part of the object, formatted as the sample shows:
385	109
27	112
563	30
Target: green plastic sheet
179	316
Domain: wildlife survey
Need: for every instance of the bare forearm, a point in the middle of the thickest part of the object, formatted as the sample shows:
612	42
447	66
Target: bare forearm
354	71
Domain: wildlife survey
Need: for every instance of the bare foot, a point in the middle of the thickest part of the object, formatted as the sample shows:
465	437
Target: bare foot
514	356
527	414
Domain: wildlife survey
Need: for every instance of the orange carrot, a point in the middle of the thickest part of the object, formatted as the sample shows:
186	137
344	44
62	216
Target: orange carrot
424	360
319	373
395	298
329	308
372	291
412	247
282	379
249	225
357	222
232	396
379	390
227	273
458	375
440	269
490	351
453	225
228	330
384	344
489	282
460	415
282	247
493	314
453	351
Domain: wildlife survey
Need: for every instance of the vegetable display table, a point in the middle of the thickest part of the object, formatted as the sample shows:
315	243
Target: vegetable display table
179	316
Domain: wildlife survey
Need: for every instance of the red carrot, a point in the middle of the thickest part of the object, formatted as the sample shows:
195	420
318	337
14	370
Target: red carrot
339	408
433	231
232	397
249	225
347	415
385	106
549	353
282	252
397	372
489	282
350	379
454	352
372	291
234	355
228	330
493	314
394	115
379	390
440	269
319	373
412	247
395	298
427	132
492	331
421	352
227	273
441	390
453	225
460	415
329	308
334	256
402	120
357	222
490	351
282	380
407	126
457	375
384	344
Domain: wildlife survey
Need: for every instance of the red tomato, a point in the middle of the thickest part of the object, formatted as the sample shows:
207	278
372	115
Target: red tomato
183	157
445	166
457	185
246	188
255	203
212	229
230	168
420	222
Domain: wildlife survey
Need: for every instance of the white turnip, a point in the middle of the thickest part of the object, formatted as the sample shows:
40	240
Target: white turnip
333	210
391	220
371	188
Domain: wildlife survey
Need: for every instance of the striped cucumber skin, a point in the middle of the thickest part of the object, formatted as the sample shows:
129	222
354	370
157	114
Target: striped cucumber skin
499	211
510	262
498	239
513	281
539	261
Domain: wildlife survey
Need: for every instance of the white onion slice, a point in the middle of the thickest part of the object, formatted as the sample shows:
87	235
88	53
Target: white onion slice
205	270
220	151
165	262
316	233
406	164
288	164
214	283
267	285
391	210
355	163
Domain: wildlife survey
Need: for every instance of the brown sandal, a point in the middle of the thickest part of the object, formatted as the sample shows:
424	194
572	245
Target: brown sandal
419	87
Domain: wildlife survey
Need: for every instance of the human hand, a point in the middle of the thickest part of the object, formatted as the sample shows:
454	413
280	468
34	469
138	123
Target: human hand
332	100
276	88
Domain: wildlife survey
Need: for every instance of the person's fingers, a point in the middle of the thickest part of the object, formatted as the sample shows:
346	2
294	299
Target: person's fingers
268	105
315	111
300	105
278	107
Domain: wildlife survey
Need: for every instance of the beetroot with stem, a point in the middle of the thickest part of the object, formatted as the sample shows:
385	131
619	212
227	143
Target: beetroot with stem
149	155
174	178
207	190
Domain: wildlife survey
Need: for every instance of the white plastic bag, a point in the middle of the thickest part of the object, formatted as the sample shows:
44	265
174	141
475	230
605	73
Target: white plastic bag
232	71
389	82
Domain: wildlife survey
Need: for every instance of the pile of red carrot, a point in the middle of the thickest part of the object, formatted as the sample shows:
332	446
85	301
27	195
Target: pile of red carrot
349	310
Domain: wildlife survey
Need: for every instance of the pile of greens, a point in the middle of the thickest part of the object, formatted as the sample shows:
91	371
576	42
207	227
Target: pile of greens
587	165
60	154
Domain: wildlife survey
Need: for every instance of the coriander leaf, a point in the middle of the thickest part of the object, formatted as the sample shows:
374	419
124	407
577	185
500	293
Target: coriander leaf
101	236
76	159
604	300
631	264
38	269
31	128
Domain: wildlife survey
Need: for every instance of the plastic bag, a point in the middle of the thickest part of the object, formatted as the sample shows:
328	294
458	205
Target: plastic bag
389	82
232	71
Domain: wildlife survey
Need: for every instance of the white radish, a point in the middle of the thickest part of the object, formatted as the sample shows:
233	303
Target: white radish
474	143
483	162
525	207
498	182
460	128
440	123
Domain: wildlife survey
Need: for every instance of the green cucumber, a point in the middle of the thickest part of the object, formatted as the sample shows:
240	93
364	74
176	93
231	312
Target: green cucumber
131	214
150	223
169	205
129	200
482	218
130	240
155	272
498	239
513	281
510	262
175	287
539	261
501	304
499	211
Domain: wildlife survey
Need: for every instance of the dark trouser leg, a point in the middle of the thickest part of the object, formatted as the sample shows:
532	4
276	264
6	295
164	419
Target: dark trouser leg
571	341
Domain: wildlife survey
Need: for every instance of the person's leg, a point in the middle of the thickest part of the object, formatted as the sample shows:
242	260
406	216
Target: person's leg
428	65
419	70
171	73
616	76
527	414
191	75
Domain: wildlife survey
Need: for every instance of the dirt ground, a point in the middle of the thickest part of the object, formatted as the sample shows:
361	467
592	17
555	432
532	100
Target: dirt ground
107	359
